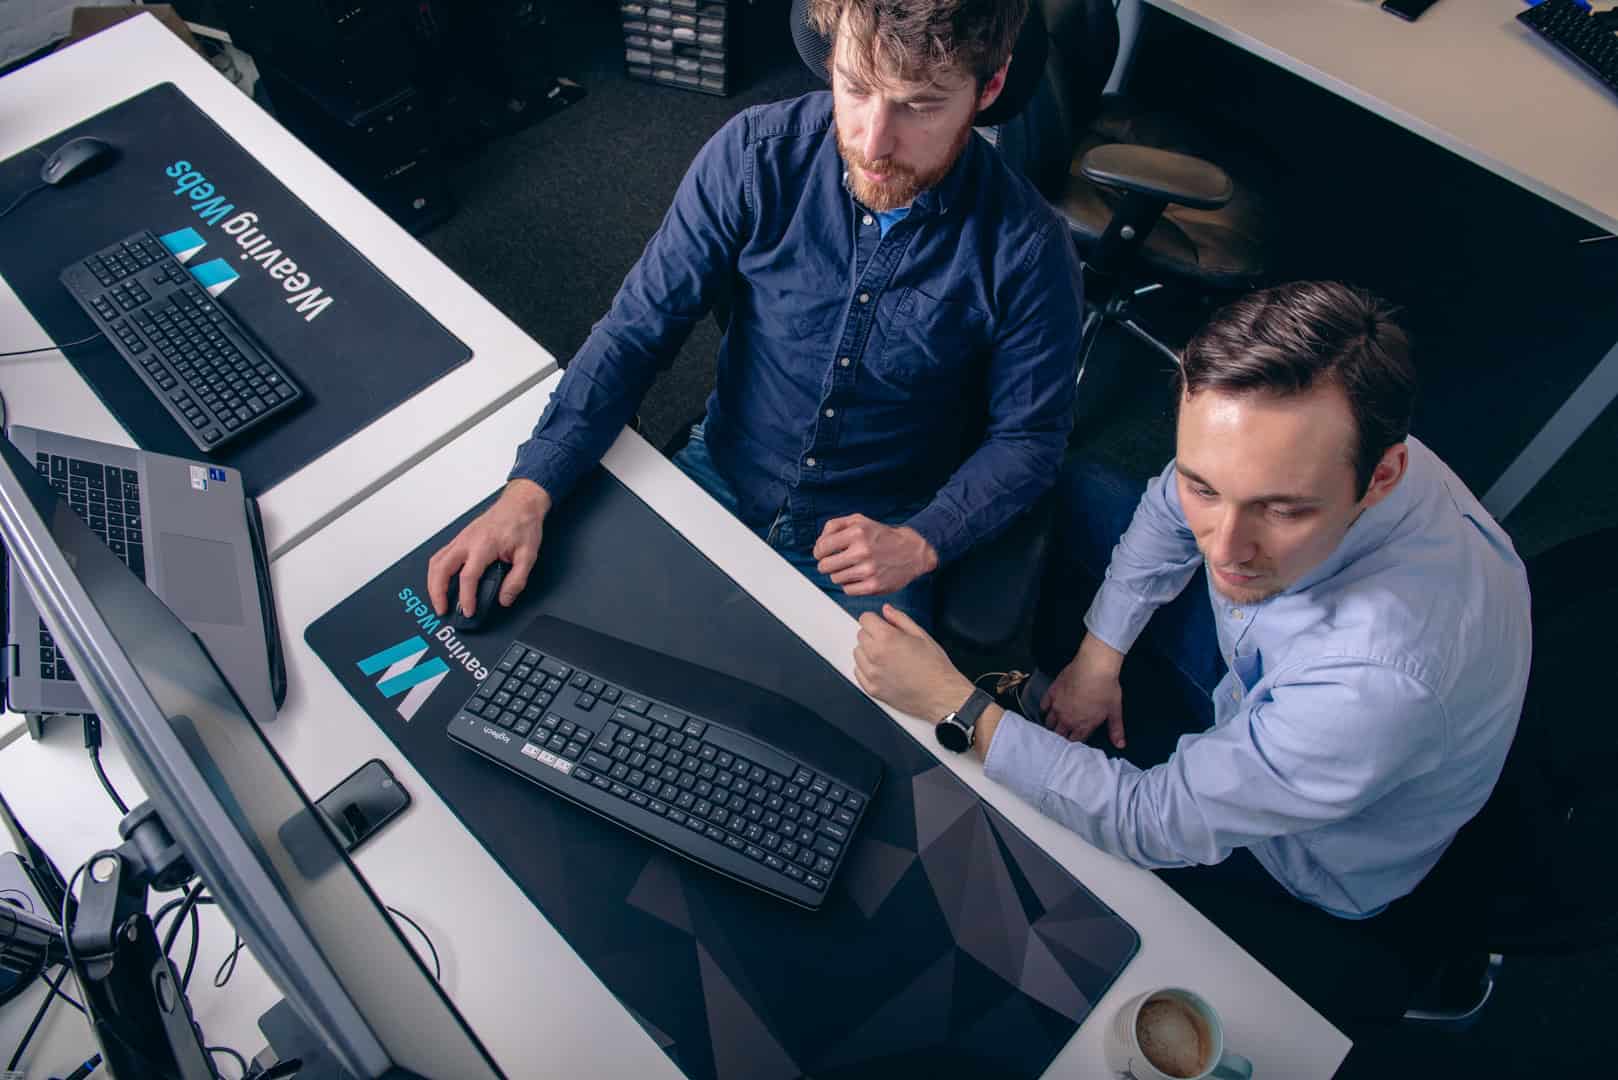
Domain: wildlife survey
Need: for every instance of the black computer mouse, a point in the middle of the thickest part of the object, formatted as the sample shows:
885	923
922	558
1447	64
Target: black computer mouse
488	599
76	159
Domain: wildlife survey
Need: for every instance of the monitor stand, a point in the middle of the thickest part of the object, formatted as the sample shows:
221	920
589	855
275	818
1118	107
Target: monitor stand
289	1037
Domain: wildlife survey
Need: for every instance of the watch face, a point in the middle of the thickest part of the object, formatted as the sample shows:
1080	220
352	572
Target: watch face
952	736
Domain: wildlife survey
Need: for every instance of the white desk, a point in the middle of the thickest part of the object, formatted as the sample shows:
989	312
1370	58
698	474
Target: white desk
45	391
1469	77
427	865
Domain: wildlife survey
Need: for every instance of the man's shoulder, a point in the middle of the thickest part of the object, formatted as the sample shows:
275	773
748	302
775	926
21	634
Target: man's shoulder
805	117
1008	201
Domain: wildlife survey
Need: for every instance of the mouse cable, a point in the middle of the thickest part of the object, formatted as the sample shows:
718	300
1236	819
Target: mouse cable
53	348
18	201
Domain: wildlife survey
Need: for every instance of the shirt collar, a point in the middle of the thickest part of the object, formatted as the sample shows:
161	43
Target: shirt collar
1370	530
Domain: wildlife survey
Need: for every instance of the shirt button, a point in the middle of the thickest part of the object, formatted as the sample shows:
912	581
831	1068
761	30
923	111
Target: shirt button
1236	613
845	361
809	461
867	219
830	413
1235	695
865	297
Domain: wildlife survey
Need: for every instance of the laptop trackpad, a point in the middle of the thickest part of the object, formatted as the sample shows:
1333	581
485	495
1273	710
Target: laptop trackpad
199	580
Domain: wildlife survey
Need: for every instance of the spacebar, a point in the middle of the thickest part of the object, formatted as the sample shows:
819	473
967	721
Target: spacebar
751	749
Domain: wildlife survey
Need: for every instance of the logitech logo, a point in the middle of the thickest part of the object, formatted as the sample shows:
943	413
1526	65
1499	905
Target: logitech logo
402	674
215	275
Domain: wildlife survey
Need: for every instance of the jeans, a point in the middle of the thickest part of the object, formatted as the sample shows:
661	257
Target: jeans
793	538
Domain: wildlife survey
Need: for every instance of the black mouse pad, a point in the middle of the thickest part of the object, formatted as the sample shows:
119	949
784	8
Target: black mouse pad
949	944
356	343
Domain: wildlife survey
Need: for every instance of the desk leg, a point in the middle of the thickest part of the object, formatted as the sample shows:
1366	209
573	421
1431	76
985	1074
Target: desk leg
1577	413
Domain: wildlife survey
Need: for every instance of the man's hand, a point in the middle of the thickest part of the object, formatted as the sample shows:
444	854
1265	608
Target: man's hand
868	558
1087	694
896	662
508	531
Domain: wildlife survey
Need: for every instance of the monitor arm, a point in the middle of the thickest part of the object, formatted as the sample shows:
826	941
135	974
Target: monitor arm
131	990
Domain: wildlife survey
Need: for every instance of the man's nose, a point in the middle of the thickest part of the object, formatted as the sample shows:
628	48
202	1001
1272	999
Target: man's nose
879	140
1232	543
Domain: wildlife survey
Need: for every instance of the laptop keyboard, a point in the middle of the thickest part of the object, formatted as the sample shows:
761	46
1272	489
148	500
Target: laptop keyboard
717	795
107	497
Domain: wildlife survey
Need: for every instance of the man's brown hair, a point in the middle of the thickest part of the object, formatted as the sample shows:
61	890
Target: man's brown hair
919	39
1291	338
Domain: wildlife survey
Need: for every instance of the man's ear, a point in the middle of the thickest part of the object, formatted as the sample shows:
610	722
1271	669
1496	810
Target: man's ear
1387	474
991	89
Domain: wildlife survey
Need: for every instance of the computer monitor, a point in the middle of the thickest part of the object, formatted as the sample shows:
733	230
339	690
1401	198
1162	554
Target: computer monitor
219	788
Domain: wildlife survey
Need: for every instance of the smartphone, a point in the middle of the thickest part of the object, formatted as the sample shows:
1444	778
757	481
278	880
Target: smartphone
364	802
1409	10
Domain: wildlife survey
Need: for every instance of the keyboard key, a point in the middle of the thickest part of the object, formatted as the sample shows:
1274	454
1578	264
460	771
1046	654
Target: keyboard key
637	705
816	883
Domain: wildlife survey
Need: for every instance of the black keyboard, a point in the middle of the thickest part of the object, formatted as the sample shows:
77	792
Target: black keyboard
1591	39
585	725
212	378
108	499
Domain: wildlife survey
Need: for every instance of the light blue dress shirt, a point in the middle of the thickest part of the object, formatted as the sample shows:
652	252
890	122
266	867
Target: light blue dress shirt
1364	718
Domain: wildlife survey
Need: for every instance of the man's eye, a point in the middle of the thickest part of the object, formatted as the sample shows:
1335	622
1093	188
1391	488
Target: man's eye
1203	492
924	110
1286	515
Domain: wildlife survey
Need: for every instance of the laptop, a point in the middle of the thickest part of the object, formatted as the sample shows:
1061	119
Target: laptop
186	529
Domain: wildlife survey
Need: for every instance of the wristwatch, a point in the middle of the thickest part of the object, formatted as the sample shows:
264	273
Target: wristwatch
955	731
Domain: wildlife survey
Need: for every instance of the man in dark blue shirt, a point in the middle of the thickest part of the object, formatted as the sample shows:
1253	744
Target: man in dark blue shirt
896	380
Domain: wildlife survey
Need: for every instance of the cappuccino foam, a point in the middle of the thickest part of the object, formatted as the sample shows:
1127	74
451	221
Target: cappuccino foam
1174	1037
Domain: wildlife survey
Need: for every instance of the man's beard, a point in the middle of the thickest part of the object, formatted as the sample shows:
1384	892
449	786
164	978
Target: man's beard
901	185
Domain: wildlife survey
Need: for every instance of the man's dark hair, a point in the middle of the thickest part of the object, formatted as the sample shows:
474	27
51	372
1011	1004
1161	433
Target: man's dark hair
1289	339
919	38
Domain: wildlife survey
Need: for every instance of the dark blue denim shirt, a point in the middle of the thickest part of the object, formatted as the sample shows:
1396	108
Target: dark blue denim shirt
932	367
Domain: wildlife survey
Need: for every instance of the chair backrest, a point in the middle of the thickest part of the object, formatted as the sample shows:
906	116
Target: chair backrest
1531	871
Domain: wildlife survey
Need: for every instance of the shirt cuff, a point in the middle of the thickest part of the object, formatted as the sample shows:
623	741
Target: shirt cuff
548	466
939	526
1021	756
1117	616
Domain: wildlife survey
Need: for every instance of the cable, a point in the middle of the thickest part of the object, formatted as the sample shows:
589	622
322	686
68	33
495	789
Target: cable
18	201
84	1070
92	743
231	1053
438	971
53	348
227	966
39	1015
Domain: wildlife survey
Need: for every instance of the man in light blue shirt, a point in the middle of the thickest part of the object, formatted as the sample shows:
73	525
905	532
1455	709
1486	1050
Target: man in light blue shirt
1371	619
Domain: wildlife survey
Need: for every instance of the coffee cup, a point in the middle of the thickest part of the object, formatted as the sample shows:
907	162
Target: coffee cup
1171	1034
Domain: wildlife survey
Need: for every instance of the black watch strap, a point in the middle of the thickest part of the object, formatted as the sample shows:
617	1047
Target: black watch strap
955	731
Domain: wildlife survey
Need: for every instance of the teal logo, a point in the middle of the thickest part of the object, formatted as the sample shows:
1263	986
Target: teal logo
398	672
215	275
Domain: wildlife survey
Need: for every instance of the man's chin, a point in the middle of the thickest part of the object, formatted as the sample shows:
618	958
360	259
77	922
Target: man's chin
1253	591
890	195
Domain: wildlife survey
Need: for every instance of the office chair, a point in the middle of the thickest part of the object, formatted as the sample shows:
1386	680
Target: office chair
1152	197
1530	874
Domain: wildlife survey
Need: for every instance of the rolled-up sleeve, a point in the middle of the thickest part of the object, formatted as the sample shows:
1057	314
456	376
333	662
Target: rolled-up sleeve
1327	741
668	290
1150	565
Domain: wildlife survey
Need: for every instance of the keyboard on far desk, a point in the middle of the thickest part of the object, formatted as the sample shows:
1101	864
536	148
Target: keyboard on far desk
577	713
200	363
1589	38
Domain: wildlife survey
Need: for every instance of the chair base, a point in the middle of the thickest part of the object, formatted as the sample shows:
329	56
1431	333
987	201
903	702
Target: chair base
1460	993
